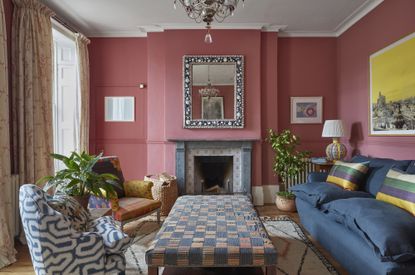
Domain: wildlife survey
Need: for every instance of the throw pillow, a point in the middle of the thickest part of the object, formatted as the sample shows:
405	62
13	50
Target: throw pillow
399	189
77	216
349	176
138	188
411	168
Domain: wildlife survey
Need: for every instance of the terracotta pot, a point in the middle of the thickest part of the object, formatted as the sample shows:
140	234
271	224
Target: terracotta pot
83	200
285	204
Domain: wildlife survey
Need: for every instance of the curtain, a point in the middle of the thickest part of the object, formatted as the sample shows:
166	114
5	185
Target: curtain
32	70
7	252
83	61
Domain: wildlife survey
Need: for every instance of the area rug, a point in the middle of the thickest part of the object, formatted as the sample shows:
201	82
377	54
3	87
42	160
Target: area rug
296	253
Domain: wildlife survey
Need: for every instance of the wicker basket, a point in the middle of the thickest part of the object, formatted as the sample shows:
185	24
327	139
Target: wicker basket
164	190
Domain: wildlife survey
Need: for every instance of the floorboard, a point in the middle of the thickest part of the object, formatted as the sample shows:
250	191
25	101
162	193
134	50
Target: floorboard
23	266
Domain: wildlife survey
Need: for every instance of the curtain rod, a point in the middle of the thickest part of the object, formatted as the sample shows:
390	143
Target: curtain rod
66	25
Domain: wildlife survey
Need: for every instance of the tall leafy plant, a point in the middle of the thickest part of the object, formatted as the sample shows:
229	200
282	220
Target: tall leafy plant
78	178
288	162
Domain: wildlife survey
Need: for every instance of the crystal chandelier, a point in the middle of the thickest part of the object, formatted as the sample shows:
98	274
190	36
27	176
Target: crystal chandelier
209	10
209	90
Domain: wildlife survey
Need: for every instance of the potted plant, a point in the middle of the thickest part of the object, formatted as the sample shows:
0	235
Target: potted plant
288	162
78	179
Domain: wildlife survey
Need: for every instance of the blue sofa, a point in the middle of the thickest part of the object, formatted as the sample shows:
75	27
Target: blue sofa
365	235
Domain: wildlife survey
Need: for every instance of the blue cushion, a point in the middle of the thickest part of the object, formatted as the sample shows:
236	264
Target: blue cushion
389	230
411	168
317	193
378	168
317	177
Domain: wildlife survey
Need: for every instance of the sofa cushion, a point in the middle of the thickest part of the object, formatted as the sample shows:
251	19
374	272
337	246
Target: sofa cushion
115	241
130	208
389	230
378	168
411	168
317	193
399	190
349	176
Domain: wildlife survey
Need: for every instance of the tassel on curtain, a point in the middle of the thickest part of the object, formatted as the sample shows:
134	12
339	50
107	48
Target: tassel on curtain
83	61
32	69
7	251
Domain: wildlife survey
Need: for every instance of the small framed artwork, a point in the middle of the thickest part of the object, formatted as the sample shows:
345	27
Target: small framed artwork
212	107
392	89
119	109
307	110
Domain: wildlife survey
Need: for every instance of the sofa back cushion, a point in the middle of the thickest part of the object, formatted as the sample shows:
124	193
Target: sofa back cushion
399	189
378	168
349	176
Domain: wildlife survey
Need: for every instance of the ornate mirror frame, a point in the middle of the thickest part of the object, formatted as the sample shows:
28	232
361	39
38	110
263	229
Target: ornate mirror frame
188	62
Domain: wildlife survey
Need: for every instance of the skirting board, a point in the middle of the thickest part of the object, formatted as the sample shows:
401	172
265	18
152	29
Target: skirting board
264	194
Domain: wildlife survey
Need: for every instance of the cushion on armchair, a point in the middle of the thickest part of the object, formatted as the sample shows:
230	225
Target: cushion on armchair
138	188
318	193
115	241
71	210
130	208
111	165
386	228
317	177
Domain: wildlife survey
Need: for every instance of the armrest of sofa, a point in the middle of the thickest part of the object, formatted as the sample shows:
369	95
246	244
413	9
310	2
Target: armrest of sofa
317	177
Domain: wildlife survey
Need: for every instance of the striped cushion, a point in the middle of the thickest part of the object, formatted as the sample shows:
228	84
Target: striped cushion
349	176
399	189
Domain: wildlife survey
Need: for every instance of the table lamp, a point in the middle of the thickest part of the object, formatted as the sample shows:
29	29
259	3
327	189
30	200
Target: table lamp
334	129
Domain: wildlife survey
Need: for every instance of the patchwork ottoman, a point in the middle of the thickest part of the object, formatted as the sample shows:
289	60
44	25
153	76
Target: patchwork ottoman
212	231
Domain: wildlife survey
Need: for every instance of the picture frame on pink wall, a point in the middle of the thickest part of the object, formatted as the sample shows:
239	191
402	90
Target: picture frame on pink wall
392	89
307	110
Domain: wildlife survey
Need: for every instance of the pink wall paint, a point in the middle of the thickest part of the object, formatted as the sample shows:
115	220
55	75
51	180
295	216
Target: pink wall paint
390	21
117	67
307	67
226	91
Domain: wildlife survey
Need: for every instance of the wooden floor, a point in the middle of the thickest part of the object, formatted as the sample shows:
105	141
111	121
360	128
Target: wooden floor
23	265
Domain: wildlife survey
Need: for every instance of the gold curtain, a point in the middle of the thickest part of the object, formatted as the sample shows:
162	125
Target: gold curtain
32	70
7	252
83	61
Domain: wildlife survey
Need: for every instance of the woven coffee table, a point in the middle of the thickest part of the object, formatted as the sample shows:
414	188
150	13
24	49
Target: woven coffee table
212	231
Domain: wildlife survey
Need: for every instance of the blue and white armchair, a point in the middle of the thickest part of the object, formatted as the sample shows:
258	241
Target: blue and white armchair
63	239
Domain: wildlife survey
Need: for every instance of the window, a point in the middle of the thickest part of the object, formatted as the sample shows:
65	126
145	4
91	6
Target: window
66	98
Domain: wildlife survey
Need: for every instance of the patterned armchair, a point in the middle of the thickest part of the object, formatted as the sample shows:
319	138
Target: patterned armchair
56	243
134	199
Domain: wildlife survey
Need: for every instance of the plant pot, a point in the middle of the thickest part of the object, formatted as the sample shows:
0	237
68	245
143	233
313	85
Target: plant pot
285	204
83	200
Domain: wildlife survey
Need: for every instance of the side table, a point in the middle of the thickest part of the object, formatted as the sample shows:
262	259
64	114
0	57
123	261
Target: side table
322	166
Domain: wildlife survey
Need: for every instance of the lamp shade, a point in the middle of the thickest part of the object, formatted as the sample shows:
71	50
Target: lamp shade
333	129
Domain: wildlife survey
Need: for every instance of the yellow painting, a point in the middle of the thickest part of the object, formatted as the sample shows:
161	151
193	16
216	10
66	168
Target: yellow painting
392	91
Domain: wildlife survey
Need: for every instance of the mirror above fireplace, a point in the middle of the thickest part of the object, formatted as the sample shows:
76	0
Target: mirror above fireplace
213	91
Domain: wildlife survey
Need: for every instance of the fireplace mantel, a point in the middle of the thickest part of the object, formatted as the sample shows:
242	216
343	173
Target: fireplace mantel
187	149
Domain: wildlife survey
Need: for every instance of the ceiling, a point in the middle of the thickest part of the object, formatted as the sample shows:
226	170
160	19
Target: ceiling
118	18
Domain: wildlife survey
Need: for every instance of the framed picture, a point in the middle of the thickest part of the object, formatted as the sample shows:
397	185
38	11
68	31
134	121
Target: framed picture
392	89
212	107
119	109
306	110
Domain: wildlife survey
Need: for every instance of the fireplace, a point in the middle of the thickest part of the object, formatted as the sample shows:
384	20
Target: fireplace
213	174
213	167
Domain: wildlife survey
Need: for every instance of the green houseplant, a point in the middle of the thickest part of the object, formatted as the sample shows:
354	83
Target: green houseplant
288	162
78	179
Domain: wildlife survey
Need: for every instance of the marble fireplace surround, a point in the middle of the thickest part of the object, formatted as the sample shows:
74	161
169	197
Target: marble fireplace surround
240	150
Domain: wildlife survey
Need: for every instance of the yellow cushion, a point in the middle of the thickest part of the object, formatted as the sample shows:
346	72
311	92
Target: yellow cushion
138	189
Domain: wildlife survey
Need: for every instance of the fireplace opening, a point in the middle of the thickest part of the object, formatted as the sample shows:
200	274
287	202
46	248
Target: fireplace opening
213	174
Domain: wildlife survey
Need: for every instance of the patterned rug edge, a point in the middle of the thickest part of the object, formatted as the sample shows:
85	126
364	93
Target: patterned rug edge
305	239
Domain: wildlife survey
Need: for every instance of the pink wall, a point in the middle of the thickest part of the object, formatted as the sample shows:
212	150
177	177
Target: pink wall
118	65
390	21
307	67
